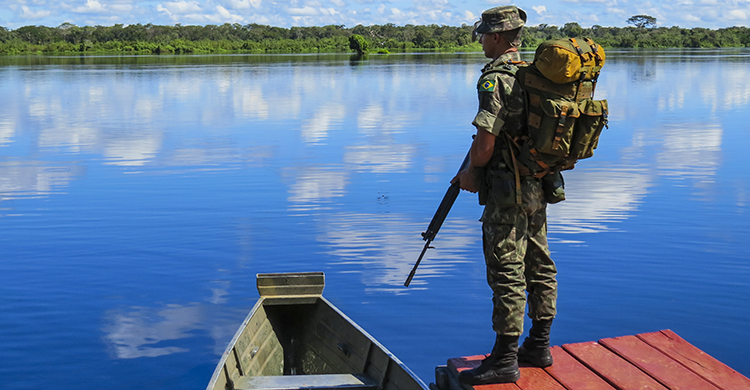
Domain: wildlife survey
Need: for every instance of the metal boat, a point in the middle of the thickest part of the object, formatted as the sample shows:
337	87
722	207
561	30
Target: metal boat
295	339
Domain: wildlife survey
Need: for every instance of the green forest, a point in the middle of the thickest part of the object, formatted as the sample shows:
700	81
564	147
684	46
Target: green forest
255	38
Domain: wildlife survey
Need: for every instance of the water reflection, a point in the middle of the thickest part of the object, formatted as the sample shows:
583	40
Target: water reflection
383	247
135	117
250	102
314	186
380	158
690	150
32	180
597	198
232	161
315	129
147	332
138	333
135	151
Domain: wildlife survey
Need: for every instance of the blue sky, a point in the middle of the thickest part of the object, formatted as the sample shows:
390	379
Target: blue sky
287	13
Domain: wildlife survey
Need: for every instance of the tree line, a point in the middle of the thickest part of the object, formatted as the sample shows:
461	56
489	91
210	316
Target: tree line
256	38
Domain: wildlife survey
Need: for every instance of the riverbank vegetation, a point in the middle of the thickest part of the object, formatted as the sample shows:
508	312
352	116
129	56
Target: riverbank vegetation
255	38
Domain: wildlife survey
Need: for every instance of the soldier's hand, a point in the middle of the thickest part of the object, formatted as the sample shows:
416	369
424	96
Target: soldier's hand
466	180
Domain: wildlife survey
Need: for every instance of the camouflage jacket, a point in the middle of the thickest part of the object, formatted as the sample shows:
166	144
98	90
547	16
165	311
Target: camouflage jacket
502	111
501	99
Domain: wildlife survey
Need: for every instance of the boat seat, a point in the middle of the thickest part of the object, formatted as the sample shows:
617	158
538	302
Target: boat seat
316	382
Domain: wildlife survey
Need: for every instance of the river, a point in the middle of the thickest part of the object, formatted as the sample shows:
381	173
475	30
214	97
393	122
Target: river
140	195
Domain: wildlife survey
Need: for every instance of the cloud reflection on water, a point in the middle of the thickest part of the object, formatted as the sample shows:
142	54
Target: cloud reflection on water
22	180
139	332
383	247
7	131
315	129
133	151
128	123
691	150
596	198
313	185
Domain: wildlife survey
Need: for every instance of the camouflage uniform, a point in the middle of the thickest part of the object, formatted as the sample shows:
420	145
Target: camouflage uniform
514	236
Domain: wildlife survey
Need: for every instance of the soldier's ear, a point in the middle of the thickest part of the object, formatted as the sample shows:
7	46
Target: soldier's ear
501	38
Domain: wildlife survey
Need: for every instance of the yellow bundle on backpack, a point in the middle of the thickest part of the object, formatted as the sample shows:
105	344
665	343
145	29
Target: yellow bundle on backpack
564	121
568	60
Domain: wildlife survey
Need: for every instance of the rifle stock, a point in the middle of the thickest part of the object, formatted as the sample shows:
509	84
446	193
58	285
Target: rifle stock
437	220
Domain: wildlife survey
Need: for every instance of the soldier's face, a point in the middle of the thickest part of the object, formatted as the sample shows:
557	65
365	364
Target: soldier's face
494	45
489	44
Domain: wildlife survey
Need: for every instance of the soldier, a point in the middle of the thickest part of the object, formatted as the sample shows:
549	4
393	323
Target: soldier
514	221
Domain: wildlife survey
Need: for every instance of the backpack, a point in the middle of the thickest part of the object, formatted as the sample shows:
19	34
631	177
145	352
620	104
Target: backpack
564	121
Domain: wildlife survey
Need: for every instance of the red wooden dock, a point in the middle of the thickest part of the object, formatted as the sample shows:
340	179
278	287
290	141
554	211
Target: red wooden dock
659	360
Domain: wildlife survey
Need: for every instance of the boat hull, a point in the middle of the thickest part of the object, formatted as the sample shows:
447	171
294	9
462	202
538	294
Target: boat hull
304	341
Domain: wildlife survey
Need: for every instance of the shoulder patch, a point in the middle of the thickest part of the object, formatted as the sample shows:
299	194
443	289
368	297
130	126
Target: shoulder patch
487	85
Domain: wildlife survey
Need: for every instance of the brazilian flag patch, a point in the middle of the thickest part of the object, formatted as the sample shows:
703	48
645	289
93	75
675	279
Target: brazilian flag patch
486	86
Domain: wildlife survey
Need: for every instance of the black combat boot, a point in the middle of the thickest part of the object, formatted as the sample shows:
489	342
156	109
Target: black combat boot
500	367
535	349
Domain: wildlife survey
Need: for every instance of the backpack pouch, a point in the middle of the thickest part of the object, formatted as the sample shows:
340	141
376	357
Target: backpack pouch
588	128
551	125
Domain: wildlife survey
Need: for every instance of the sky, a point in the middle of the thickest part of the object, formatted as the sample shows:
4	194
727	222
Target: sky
287	13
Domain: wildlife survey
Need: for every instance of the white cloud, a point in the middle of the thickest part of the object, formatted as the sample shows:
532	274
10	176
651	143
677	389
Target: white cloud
224	16
181	7
540	9
26	12
329	11
684	13
737	14
121	7
92	6
243	4
304	11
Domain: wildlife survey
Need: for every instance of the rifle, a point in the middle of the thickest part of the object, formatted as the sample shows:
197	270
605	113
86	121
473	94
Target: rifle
438	219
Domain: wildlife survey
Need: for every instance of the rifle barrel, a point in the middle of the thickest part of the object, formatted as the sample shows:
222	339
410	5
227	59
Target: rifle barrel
419	260
437	220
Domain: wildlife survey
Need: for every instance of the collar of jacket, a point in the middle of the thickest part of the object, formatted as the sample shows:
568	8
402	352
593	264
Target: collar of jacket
511	56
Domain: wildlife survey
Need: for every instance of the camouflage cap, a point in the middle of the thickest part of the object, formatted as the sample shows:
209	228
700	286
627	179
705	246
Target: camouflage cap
499	19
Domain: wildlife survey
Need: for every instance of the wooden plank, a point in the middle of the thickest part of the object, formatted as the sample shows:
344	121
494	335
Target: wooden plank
659	366
398	378
303	283
377	363
614	369
701	363
532	378
297	382
573	374
456	365
535	378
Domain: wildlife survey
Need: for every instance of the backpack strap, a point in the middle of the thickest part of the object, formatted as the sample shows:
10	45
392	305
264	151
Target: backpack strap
516	172
578	47
595	49
560	126
598	60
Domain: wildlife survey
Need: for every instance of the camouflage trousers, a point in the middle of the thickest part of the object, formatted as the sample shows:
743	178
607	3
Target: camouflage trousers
518	261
